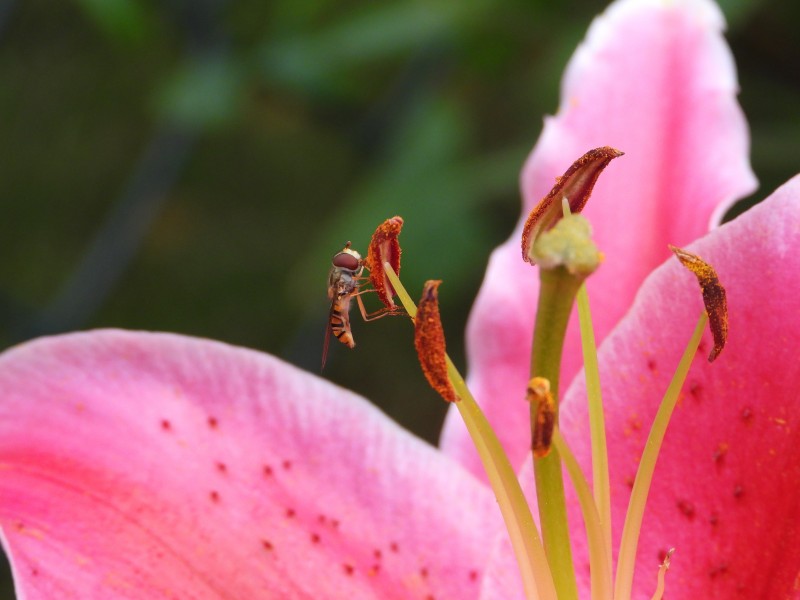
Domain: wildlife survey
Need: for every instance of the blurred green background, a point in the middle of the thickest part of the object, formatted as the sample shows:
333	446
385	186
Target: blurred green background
192	165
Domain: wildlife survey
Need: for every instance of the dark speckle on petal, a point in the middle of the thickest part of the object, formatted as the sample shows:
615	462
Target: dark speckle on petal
719	453
718	570
686	508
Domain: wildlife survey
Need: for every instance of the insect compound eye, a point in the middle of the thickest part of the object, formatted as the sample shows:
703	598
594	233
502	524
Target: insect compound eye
345	260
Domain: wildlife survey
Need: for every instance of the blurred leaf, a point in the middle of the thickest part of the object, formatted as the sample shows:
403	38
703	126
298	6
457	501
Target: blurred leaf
119	19
204	92
737	12
373	34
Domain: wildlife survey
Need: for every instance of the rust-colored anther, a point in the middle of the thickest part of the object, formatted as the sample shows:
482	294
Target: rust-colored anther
430	344
713	297
542	437
384	247
576	185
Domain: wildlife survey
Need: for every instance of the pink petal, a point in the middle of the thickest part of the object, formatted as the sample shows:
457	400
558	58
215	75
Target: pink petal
725	492
725	489
656	80
143	465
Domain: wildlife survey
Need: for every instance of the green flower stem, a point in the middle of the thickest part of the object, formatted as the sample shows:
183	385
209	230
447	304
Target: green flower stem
528	549
556	295
647	464
597	425
599	561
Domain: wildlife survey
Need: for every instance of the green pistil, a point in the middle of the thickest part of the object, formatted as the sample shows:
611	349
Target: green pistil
525	541
647	465
556	295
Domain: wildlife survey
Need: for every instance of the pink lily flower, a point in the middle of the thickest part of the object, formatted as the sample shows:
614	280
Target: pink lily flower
139	465
656	80
725	490
143	465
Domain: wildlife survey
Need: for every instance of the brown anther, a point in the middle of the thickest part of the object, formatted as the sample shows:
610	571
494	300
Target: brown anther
384	247
713	297
430	344
542	437
576	185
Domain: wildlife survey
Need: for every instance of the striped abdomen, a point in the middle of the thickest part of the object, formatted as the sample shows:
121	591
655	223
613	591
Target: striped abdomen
340	320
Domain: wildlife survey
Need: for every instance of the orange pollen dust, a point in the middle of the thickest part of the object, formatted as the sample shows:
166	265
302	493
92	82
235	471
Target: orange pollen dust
384	247
542	437
714	297
430	344
576	184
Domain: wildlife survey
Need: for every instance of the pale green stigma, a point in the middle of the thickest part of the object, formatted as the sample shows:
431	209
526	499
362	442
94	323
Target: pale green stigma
568	244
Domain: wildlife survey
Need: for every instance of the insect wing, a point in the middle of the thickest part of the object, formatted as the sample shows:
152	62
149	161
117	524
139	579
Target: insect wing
326	344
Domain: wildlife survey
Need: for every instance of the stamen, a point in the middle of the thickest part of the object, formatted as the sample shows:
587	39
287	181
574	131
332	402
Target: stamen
537	579
713	297
566	255
599	560
647	465
597	427
576	184
662	572
384	247
539	393
430	343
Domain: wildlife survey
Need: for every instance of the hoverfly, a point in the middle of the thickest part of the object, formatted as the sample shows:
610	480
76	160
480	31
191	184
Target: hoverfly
343	282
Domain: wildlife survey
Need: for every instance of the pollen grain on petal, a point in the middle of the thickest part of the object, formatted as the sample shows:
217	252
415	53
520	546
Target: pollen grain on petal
576	185
713	297
430	343
384	247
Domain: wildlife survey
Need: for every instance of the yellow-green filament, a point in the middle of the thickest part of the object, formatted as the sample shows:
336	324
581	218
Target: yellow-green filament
597	425
599	560
662	575
536	578
644	476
